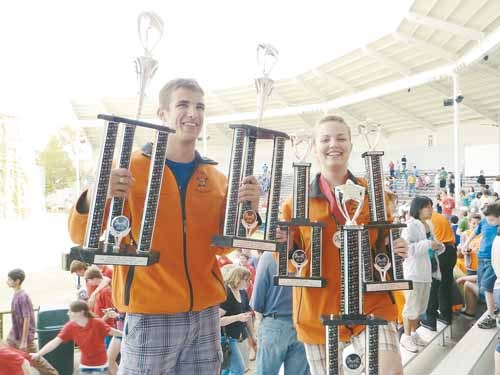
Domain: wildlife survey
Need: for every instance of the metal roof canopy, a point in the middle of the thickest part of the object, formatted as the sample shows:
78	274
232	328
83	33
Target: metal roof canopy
399	80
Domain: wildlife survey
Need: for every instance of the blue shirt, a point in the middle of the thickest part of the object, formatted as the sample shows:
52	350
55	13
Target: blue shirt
268	298
182	173
489	233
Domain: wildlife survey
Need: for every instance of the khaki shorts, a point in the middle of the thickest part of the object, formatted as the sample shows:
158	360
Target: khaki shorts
416	300
316	354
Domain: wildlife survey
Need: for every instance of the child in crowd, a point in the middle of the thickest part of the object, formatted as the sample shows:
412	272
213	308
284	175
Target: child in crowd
454	227
13	361
103	299
88	333
486	277
89	294
420	266
467	258
22	333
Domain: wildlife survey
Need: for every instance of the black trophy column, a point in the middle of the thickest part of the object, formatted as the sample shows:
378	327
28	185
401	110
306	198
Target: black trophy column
235	169
98	203
376	194
248	160
367	257
332	347
351	293
117	203
153	192
316	237
273	202
301	189
395	233
372	350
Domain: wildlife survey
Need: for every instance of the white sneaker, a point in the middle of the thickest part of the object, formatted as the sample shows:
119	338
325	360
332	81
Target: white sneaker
419	341
407	343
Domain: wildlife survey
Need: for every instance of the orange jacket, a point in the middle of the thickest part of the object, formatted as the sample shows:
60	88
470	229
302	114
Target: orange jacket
187	276
310	303
442	228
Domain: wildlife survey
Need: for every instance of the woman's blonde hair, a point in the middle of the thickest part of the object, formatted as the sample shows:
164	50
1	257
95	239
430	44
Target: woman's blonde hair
233	274
333	118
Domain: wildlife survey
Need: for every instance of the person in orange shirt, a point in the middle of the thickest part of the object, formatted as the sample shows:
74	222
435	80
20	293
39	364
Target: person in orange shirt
172	323
467	258
332	148
440	296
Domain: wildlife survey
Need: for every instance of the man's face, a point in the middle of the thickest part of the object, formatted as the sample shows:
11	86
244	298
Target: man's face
185	114
332	144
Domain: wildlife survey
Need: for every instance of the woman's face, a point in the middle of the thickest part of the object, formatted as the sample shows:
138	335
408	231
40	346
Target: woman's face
425	213
244	283
332	144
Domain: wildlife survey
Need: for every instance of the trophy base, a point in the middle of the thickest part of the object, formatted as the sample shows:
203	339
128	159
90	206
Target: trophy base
245	243
352	320
307	282
385	286
127	256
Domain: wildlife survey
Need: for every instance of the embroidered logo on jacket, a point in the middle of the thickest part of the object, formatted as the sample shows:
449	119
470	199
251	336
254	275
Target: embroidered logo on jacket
202	180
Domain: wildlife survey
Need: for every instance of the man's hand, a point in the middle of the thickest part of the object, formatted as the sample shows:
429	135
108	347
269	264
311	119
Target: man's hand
120	182
400	247
250	192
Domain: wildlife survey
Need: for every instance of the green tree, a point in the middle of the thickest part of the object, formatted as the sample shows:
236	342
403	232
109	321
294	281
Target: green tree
58	167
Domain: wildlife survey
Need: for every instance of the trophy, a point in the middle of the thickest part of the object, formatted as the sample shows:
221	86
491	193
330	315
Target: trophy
95	251
240	219
302	144
352	240
112	251
386	262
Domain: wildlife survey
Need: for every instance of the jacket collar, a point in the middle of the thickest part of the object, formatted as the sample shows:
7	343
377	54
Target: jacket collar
147	150
315	191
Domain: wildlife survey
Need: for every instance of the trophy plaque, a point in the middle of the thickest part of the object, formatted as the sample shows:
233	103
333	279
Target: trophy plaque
240	220
353	239
93	250
301	143
386	262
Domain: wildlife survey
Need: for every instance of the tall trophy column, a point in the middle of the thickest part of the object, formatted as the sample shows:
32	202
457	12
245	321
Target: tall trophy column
307	271
386	262
351	277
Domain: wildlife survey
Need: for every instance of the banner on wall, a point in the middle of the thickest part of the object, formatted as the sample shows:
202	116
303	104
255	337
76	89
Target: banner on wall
482	157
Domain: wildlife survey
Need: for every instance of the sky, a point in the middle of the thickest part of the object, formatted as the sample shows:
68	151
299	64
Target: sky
55	51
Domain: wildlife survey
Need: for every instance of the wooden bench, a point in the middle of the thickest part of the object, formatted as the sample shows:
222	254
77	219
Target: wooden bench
469	353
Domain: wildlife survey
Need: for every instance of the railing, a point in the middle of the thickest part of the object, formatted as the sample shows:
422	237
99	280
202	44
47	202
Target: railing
8	312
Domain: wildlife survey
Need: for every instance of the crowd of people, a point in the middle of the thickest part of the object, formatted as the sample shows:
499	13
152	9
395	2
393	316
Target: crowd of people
209	310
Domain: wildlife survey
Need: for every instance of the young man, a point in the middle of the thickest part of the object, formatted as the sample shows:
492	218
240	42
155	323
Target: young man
22	333
332	148
277	338
89	293
488	228
103	299
172	323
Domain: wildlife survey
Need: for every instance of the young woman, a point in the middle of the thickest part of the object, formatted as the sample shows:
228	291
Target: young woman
236	317
332	149
88	333
420	266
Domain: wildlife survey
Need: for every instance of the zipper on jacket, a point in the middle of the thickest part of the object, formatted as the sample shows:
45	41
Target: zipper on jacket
186	269
128	285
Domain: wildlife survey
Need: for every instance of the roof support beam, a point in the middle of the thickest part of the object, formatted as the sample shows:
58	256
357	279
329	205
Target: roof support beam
450	27
403	70
424	45
404	113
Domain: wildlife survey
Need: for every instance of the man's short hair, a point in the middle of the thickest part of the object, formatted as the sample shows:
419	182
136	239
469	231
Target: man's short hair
93	273
17	274
77	265
177	83
334	118
492	210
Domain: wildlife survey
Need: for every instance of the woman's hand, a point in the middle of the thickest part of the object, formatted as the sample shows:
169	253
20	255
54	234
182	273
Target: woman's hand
244	317
400	247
